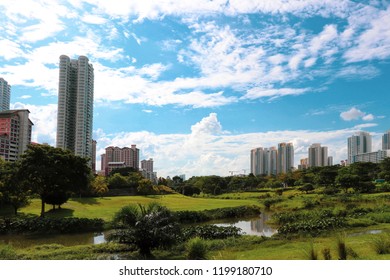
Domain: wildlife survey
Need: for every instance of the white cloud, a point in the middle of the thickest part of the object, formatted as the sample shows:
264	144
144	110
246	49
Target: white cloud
25	96
208	149
208	125
374	42
44	118
368	117
10	49
93	19
356	114
272	93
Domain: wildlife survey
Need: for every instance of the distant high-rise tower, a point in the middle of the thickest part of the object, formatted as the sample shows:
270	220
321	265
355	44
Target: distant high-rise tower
386	141
127	157
359	143
15	133
285	157
264	161
75	106
318	156
5	95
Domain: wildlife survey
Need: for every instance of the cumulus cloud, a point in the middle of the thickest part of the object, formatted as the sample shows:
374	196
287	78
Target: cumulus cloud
356	114
44	118
208	149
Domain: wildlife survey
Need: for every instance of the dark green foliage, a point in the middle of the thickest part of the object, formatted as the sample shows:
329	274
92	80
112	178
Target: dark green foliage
309	222
186	217
342	248
50	170
147	227
14	190
56	198
381	244
211	232
307	187
268	202
196	249
326	254
188	190
7	253
50	225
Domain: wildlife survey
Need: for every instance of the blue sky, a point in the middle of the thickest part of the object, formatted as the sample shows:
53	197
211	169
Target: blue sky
197	84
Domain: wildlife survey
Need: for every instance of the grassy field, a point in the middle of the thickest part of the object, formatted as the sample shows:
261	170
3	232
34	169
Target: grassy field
106	207
362	236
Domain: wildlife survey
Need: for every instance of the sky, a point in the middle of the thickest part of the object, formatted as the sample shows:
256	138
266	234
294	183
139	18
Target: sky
197	84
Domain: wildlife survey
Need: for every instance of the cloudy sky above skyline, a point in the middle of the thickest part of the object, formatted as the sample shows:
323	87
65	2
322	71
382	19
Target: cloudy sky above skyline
197	84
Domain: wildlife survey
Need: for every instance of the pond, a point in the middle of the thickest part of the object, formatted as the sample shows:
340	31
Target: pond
254	226
24	241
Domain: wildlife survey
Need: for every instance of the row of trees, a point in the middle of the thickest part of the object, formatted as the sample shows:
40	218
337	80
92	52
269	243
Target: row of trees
359	176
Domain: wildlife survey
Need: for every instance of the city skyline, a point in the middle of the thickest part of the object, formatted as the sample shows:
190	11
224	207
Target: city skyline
198	86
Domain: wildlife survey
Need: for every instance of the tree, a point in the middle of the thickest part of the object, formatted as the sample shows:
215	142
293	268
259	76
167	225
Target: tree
99	185
307	187
347	180
51	170
326	175
118	181
385	169
145	187
14	191
147	227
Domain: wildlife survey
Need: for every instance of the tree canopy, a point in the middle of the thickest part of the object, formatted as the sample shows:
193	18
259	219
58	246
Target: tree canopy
51	171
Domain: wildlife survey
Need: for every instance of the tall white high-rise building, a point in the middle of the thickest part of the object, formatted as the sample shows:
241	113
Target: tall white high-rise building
318	156
5	95
285	157
264	161
257	161
386	141
359	143
75	106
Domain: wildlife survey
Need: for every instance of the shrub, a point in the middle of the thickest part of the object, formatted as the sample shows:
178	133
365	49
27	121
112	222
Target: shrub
326	254
146	227
187	217
51	225
211	232
7	253
381	244
196	249
271	201
341	247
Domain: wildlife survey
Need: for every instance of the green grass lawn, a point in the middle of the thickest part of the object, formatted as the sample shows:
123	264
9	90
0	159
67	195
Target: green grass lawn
106	207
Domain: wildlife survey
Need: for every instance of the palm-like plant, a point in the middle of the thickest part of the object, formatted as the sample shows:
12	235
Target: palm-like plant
147	227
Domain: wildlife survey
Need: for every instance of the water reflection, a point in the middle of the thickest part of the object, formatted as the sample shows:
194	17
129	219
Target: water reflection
24	241
255	226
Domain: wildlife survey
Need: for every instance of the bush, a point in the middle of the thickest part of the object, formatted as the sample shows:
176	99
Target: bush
196	249
50	225
211	232
381	244
7	253
268	202
187	217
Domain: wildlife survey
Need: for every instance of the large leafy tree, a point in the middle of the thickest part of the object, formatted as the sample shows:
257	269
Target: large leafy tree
50	171
13	190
